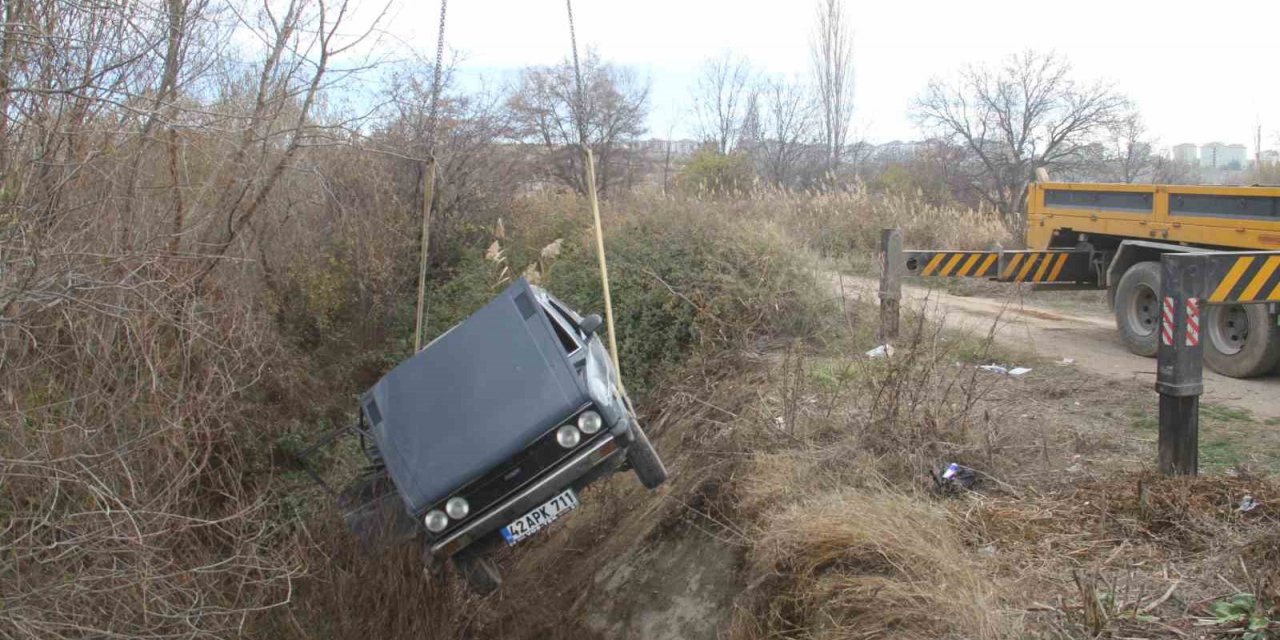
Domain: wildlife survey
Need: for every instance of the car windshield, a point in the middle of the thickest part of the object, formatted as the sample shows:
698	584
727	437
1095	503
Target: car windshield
564	331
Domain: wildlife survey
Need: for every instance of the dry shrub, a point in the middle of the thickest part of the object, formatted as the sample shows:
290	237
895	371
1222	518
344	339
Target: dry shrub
846	222
1131	552
924	405
857	564
1181	515
840	545
127	456
358	593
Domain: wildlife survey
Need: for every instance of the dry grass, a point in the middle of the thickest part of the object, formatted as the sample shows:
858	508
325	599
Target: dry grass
1067	535
1131	552
846	222
845	538
867	563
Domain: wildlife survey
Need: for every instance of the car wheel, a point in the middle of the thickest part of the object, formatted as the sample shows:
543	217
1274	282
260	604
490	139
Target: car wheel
1240	340
644	460
479	570
1137	308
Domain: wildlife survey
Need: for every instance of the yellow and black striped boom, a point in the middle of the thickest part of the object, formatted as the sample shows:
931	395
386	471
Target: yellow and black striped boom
960	264
1049	266
1246	278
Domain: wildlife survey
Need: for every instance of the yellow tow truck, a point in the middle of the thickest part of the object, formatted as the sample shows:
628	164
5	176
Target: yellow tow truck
1111	236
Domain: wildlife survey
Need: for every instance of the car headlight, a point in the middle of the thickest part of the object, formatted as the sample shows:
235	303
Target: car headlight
436	521
568	436
457	508
590	422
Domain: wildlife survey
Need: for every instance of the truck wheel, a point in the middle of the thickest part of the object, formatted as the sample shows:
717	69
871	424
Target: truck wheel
479	570
1240	340
1138	308
644	460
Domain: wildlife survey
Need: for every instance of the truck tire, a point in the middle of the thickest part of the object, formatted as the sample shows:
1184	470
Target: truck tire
1240	340
1137	308
479	570
644	460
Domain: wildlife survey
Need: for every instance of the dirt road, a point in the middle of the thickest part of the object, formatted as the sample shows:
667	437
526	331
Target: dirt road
1086	335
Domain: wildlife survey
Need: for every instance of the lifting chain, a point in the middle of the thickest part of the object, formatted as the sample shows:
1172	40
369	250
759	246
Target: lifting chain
436	81
577	78
428	181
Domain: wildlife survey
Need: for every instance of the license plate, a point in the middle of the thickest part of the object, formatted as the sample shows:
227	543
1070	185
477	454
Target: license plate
533	522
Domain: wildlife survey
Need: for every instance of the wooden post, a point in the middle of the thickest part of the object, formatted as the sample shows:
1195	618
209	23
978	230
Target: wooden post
890	283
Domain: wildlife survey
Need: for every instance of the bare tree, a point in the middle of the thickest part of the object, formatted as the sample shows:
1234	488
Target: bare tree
1130	157
473	172
545	110
301	47
790	117
130	167
751	131
1025	115
832	53
722	97
1170	171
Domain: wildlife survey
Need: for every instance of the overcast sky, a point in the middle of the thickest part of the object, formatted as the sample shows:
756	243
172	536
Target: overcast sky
1198	72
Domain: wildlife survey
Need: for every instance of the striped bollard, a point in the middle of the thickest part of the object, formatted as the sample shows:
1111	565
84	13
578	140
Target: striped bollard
1180	361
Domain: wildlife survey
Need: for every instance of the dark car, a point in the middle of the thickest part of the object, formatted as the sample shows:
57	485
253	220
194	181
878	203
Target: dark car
489	434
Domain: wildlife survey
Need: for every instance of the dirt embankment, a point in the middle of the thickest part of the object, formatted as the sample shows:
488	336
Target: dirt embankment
1085	335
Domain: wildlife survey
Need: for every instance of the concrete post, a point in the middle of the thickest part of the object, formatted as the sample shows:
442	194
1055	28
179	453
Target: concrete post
890	283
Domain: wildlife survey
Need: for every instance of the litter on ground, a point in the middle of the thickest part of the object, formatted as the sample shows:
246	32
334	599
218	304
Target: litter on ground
1248	503
955	478
881	351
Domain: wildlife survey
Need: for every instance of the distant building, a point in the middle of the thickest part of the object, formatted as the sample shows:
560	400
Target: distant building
1236	157
1210	152
1216	155
1185	153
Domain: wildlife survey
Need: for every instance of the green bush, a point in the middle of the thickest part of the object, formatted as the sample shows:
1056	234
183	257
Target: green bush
712	173
684	277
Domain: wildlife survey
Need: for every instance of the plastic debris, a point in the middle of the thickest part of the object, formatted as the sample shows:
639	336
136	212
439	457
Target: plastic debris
955	478
1015	371
1068	361
1247	503
881	351
1018	371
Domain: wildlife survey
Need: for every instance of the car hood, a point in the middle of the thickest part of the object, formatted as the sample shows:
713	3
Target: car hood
472	399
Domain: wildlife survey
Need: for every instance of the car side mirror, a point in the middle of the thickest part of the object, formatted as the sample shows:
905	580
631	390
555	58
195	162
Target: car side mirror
590	324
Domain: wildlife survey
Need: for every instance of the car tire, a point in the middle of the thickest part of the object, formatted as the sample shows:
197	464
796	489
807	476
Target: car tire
479	570
644	460
1240	340
1137	308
